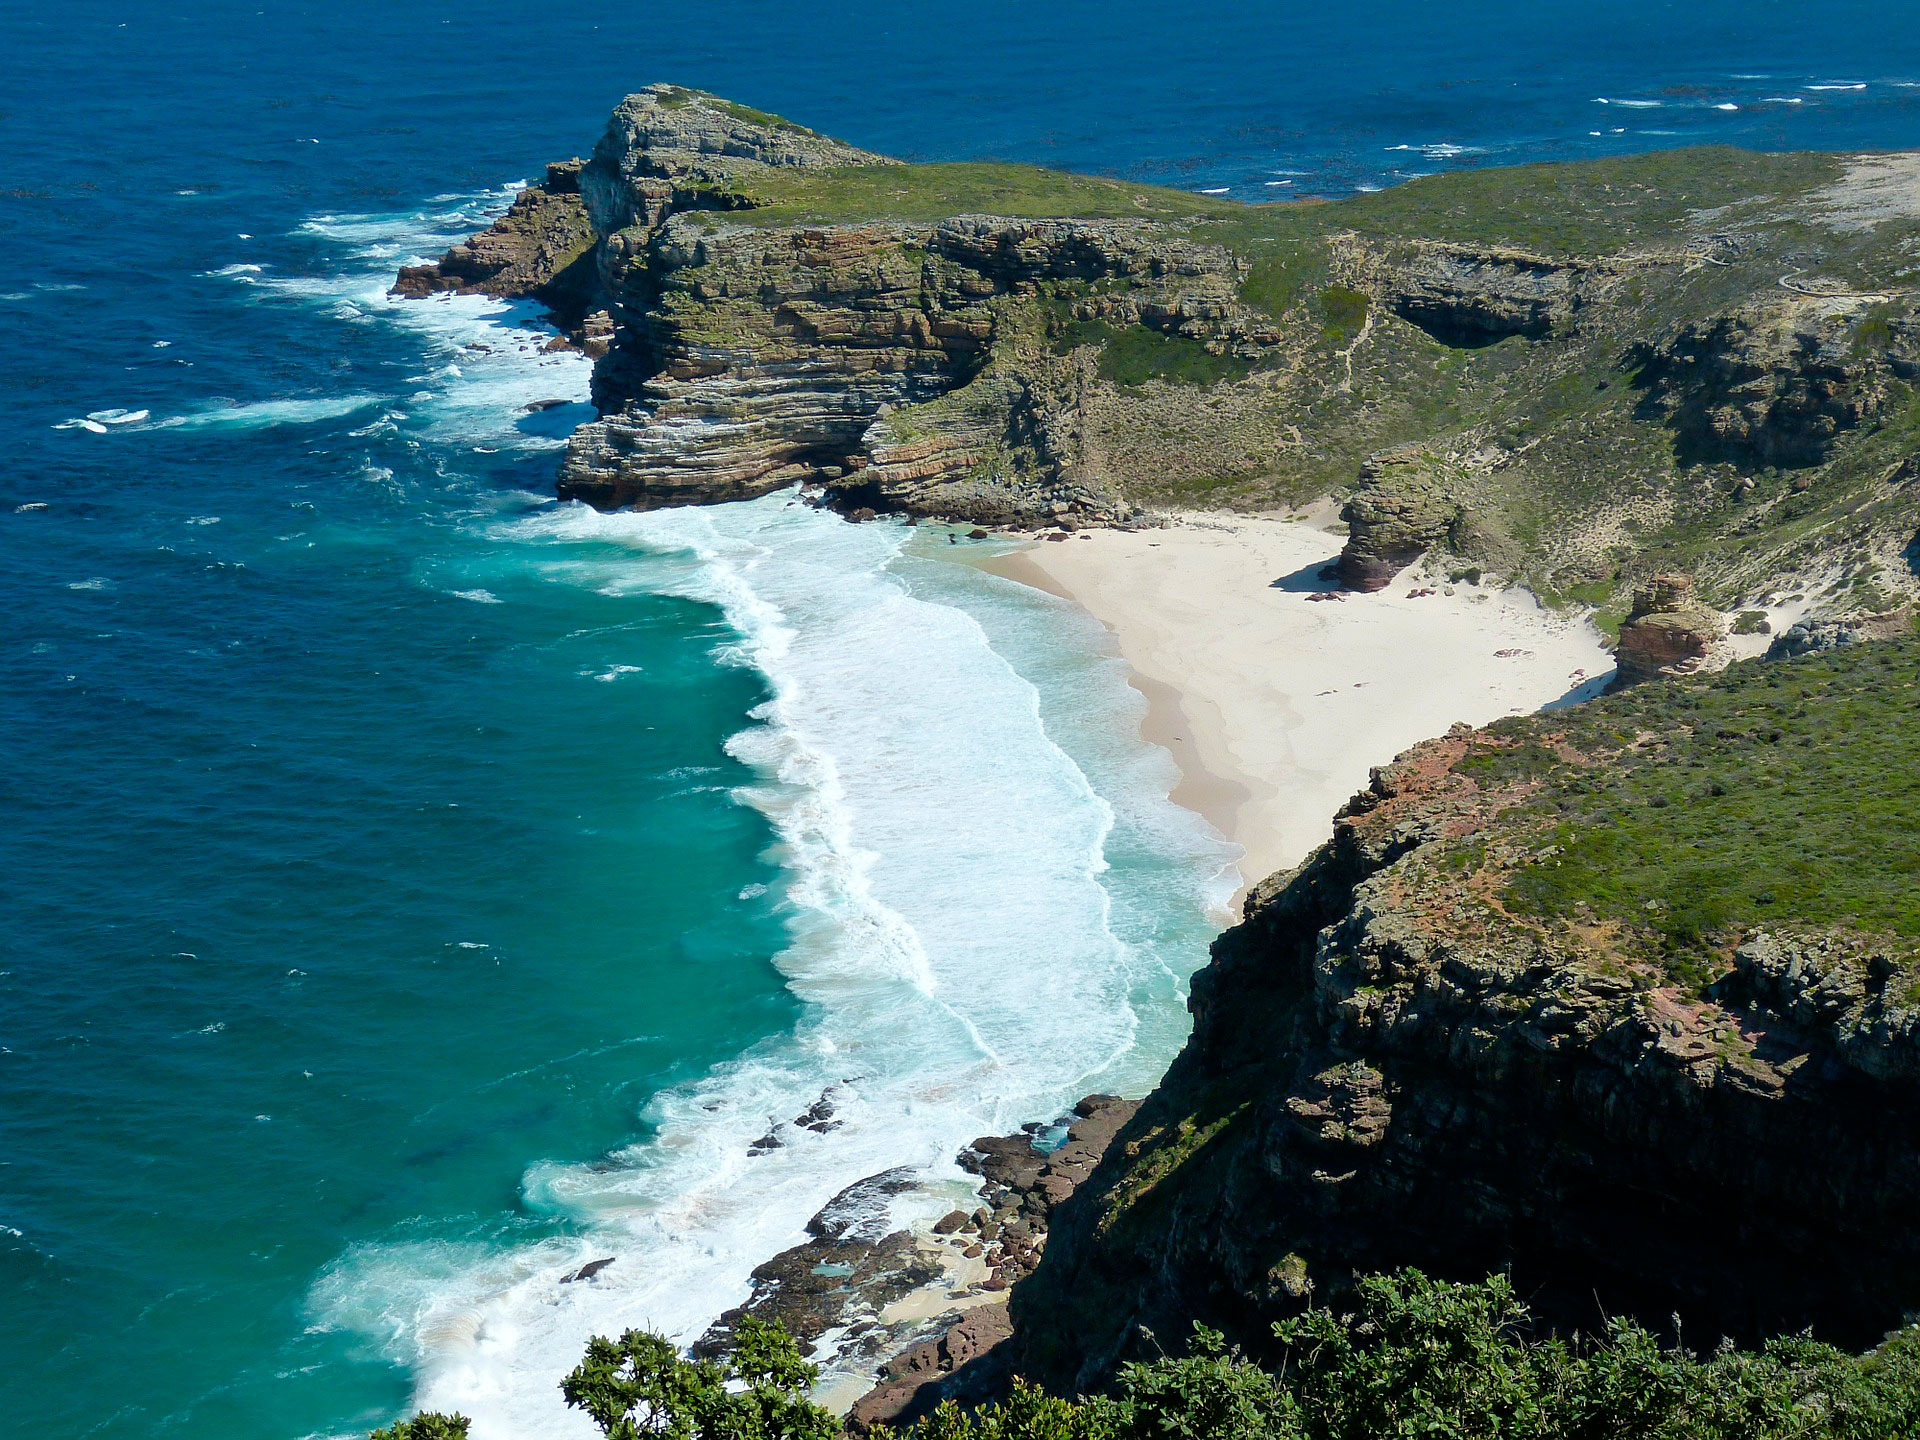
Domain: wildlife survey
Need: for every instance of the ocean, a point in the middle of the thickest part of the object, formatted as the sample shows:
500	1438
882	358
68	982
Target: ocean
416	887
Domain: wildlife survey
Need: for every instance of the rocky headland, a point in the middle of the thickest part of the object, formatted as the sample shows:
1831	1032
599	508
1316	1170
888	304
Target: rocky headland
1623	998
1573	377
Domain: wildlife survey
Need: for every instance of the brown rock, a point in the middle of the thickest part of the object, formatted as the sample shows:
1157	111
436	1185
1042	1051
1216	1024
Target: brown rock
1667	633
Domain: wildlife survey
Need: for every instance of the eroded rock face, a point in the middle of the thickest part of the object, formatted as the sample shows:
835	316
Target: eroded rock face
738	358
1383	1072
770	351
668	149
1777	382
541	249
1475	297
1811	637
753	358
1668	633
1408	502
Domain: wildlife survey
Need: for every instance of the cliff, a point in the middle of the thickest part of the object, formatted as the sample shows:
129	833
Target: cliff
1573	376
1625	998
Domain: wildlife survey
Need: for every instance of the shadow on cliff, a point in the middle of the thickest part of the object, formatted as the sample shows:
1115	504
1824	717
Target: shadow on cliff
556	422
1590	688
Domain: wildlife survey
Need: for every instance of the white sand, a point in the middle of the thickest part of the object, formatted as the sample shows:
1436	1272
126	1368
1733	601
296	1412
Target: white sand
1274	704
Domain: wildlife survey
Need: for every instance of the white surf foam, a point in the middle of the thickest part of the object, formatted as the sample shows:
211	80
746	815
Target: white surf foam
485	357
949	932
262	414
954	929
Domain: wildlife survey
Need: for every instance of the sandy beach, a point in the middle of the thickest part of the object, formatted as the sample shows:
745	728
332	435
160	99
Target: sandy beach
1274	691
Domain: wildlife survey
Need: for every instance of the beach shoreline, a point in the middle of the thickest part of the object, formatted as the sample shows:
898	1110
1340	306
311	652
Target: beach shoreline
1268	750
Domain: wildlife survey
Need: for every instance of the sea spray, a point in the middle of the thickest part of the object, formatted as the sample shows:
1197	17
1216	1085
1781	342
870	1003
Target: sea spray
982	927
950	933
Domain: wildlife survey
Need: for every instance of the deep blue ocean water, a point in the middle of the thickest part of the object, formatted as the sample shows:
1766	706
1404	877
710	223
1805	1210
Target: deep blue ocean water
412	886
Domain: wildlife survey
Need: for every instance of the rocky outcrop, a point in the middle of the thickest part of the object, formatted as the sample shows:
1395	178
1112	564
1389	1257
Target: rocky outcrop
771	352
757	357
1387	1068
1668	633
1775	383
853	1265
1023	1183
668	149
770	306
1408	501
1464	296
1811	637
846	1278
541	249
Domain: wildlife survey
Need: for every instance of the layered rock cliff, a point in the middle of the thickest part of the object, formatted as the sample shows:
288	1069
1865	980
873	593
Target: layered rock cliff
1668	633
1570	376
1620	999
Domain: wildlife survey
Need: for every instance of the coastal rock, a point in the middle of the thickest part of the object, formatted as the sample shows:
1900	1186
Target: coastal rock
1668	633
1029	1180
541	249
966	1365
1812	636
1467	296
758	357
772	307
1389	1068
1775	383
1407	502
852	1267
667	149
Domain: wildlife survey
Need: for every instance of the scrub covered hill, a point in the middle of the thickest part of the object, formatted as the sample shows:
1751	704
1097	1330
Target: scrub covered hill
1624	998
1570	375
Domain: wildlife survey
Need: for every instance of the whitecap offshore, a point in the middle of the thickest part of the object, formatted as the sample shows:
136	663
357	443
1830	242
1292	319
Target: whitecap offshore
261	414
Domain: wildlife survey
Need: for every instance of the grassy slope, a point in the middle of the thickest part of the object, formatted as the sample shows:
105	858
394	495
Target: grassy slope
1678	817
1586	490
934	192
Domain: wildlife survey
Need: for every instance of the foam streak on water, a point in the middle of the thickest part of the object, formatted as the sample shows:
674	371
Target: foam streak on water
950	933
967	959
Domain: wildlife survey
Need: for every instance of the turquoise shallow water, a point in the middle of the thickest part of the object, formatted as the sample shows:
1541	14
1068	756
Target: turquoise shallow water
414	887
441	886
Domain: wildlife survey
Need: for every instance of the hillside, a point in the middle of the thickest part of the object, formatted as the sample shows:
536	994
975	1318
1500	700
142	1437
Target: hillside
1573	376
1625	998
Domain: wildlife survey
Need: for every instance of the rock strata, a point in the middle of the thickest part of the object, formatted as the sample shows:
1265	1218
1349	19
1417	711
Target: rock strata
1777	382
1668	633
541	249
1408	501
1594	357
1388	1068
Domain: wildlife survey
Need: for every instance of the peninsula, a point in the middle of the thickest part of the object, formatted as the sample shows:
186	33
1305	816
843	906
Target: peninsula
1620	997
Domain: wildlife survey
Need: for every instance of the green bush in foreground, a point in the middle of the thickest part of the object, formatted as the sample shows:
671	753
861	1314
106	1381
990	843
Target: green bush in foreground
1412	1359
425	1426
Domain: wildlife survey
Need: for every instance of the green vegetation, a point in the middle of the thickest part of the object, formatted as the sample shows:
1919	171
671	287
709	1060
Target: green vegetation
428	1425
1592	208
678	97
1416	1357
638	1387
1874	332
1777	794
1134	354
1342	312
928	193
1411	1359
